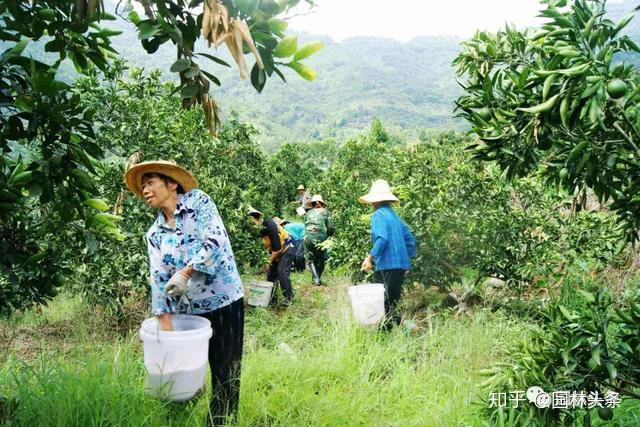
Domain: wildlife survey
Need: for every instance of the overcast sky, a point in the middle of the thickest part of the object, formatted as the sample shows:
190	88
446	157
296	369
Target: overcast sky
405	19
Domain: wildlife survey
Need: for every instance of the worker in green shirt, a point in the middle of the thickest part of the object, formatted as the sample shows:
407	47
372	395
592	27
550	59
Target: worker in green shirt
318	226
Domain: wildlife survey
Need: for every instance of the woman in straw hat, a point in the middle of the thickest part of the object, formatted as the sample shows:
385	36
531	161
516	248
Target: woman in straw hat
318	227
191	259
304	200
393	246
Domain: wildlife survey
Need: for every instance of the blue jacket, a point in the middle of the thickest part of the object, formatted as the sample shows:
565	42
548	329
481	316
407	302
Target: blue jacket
295	229
393	242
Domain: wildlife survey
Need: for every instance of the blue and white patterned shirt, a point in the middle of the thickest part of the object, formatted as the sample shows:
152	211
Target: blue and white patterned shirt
200	240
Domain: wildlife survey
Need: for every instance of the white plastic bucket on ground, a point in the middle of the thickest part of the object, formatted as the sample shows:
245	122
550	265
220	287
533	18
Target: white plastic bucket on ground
176	361
260	293
367	302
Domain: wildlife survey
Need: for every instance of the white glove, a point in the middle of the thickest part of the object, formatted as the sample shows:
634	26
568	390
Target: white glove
178	285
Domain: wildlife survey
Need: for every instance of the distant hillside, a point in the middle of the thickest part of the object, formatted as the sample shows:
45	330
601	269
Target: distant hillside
408	86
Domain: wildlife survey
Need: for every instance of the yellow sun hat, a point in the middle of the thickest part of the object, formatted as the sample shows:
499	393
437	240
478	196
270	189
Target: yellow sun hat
380	192
133	175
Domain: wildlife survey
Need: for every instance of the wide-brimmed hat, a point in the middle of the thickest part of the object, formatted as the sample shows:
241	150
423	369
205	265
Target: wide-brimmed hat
380	192
301	187
318	198
133	175
252	211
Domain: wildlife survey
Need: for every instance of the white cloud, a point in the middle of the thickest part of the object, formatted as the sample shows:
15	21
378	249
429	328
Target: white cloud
406	19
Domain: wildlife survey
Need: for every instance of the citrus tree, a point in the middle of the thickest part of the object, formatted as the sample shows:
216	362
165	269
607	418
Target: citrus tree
556	101
140	118
49	196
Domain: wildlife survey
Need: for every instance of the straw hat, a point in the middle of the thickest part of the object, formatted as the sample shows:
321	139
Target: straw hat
278	220
380	192
133	175
253	211
318	198
301	187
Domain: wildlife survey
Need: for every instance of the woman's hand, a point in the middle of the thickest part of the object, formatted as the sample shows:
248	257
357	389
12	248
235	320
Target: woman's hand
165	322
367	264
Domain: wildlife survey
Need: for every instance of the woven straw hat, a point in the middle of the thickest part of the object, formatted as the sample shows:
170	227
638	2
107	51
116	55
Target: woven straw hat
301	187
133	175
318	198
253	211
380	192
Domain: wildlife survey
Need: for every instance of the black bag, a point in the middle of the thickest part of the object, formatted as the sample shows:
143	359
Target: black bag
298	255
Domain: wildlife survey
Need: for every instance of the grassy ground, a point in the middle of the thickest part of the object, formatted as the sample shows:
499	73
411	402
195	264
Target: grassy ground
64	367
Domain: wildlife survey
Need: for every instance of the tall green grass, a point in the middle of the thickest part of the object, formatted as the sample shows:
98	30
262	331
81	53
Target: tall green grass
307	365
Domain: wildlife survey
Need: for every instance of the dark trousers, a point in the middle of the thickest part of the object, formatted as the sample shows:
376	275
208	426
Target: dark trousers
225	355
392	280
316	255
280	270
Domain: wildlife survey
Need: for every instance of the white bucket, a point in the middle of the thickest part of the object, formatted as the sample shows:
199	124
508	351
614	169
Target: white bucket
367	302
260	293
176	361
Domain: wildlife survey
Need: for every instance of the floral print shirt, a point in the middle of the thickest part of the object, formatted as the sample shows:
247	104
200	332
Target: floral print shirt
198	239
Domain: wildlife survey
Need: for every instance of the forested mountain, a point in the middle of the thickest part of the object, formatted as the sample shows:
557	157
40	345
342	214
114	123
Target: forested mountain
408	86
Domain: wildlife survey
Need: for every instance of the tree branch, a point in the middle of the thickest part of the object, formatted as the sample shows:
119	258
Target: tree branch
617	127
618	389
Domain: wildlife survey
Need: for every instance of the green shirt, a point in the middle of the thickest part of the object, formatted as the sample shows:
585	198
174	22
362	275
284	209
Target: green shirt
318	225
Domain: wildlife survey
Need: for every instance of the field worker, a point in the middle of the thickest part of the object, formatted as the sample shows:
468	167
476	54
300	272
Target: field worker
296	231
318	226
279	244
190	256
304	200
393	246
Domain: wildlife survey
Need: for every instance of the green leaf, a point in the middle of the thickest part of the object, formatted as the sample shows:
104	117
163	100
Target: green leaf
211	77
247	6
47	14
307	50
180	65
613	372
286	47
25	103
541	108
258	78
214	59
146	31
110	33
547	85
588	296
98	204
304	71
624	22
190	91
270	7
595	354
33	259
19	47
570	317
277	26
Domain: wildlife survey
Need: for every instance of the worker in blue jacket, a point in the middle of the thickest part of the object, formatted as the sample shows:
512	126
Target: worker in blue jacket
393	246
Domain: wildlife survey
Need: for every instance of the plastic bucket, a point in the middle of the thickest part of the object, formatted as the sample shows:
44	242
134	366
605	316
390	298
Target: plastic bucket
367	303
176	361
260	293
